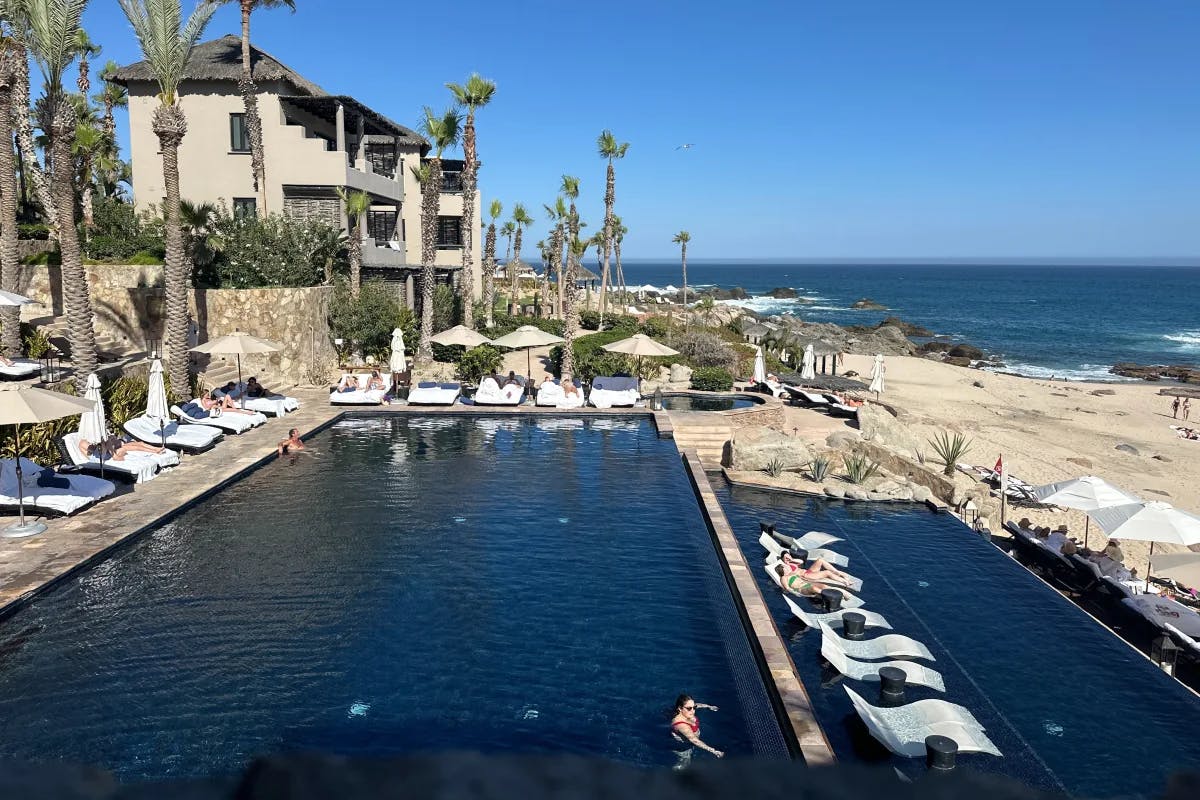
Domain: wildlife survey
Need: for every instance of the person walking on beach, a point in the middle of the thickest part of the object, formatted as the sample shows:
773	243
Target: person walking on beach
1187	407
1175	408
685	731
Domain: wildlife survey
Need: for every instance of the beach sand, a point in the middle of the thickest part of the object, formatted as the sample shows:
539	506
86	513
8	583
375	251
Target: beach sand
1051	431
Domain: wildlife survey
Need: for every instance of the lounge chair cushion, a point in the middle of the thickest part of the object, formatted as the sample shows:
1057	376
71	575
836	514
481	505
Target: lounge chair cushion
21	368
612	392
82	490
187	436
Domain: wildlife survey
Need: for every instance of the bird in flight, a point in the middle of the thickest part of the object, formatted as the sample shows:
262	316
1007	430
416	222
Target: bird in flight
685	147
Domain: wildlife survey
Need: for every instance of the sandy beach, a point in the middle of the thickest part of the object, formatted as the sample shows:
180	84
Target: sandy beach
1051	431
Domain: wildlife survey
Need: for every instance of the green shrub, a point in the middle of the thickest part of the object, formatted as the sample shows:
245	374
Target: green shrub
700	349
711	379
120	233
37	343
859	469
590	319
656	327
33	230
505	324
445	307
774	468
591	359
144	258
950	450
366	322
818	469
478	362
273	251
45	258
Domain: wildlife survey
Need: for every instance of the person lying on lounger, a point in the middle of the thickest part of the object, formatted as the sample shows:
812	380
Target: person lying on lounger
255	389
6	361
115	449
222	404
798	584
347	383
568	386
819	570
375	382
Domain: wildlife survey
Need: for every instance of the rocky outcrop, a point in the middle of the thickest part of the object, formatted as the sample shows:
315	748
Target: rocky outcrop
965	351
752	449
877	424
1174	372
680	374
867	304
781	293
907	328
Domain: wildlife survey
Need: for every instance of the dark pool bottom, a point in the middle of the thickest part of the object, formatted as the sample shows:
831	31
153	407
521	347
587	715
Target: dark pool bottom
705	402
494	584
1070	705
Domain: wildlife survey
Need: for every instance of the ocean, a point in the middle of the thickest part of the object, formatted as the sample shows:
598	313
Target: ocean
1066	320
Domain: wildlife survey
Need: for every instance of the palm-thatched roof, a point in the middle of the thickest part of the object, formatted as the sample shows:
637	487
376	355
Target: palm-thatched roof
221	60
582	273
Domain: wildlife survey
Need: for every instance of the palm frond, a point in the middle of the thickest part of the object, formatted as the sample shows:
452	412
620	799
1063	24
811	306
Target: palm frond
53	26
683	237
520	215
475	93
421	173
495	210
442	131
357	203
570	186
165	39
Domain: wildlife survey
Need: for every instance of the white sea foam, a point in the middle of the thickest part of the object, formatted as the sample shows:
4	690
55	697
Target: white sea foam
1187	340
1084	372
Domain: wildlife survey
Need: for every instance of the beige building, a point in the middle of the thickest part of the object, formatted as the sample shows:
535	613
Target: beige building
314	143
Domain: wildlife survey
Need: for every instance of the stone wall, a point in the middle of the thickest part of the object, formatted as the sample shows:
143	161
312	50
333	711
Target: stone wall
768	414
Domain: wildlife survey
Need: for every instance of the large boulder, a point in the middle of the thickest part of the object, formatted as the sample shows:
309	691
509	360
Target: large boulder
681	373
907	328
782	293
867	304
877	424
754	448
966	351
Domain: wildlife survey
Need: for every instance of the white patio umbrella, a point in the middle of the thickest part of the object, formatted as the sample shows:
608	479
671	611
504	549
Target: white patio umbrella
28	407
1087	494
1181	567
760	366
13	299
237	344
640	345
460	335
527	336
1151	522
156	399
808	369
92	424
877	376
397	362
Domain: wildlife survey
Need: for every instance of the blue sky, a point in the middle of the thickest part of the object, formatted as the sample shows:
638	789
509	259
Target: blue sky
822	129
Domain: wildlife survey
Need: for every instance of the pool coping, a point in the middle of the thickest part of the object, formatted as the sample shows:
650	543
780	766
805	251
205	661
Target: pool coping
794	704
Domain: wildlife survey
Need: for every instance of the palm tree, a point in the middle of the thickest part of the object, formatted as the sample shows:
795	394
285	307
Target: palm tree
474	94
201	242
10	266
575	250
52	27
166	42
557	214
682	238
357	205
507	230
18	14
250	95
619	231
90	143
570	191
86	50
610	149
113	95
442	132
520	219
489	265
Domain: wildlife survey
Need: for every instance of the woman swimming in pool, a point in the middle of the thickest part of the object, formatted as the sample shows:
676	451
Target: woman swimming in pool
685	730
820	570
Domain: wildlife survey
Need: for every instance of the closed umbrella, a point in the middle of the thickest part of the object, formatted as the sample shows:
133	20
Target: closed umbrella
1181	567
760	366
397	362
460	335
92	424
28	407
238	344
156	399
1087	494
1149	522
527	336
808	369
877	376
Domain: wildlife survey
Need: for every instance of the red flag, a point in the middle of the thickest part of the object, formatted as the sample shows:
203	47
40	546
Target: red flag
999	468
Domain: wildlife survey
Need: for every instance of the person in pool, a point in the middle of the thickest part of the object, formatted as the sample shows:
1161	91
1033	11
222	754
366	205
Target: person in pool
292	444
796	583
819	570
115	449
685	731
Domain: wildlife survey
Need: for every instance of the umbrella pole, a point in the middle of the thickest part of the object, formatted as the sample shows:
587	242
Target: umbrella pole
20	486
1148	567
243	395
1087	523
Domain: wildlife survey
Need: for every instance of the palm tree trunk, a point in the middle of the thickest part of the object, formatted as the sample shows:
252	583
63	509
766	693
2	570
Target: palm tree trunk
570	301
620	270
489	272
77	302
30	165
84	81
556	259
87	193
170	126
683	257
514	304
10	316
609	199
467	282
432	191
253	121
355	254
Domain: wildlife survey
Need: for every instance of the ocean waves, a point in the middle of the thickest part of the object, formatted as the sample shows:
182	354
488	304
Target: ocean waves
1083	372
1185	340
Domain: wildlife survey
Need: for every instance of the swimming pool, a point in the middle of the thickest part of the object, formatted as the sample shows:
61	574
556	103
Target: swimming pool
527	584
707	402
1070	705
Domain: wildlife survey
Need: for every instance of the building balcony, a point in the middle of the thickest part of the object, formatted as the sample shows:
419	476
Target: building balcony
378	186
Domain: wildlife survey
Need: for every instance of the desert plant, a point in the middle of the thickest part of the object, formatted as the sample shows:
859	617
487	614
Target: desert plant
37	343
774	468
712	379
950	449
818	469
701	349
859	468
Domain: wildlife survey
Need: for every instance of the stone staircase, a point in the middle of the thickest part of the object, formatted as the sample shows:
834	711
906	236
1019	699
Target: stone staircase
706	437
107	347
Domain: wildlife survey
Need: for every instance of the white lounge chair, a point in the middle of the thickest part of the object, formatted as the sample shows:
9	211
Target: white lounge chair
551	394
837	559
903	729
850	602
274	404
807	398
21	368
812	545
914	673
837	408
84	490
852	583
1163	612
1190	644
608	392
806	542
138	467
892	645
230	421
491	393
431	393
834	618
187	438
360	396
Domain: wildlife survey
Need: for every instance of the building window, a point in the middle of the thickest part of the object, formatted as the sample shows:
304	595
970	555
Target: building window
239	134
382	158
449	233
382	226
245	208
452	182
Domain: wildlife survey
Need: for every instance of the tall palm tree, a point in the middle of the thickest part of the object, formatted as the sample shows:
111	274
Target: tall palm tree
575	250
619	231
113	95
474	94
570	191
10	267
442	132
520	219
250	95
90	143
557	214
85	50
489	265
18	14
507	230
166	42
52	26
357	205
609	149
682	238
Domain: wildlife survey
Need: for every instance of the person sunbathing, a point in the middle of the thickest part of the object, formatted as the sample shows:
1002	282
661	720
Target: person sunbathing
347	383
375	382
219	405
569	388
115	449
797	584
819	570
511	380
255	389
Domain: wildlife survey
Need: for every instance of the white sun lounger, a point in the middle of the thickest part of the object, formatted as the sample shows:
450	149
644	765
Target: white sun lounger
892	645
429	393
775	548
608	392
230	421
850	602
188	438
83	491
806	397
551	394
852	583
274	404
807	541
21	368
903	729
140	467
837	559
360	396
916	674
1190	644
834	618
491	393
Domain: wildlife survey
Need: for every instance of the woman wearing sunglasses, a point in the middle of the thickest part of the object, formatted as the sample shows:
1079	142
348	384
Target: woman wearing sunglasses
685	731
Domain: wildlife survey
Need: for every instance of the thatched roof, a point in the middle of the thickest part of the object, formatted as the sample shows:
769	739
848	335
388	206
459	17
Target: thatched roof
829	383
582	273
221	60
374	123
820	346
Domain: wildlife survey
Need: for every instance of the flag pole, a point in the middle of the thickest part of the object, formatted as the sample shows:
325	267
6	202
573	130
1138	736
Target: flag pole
1003	491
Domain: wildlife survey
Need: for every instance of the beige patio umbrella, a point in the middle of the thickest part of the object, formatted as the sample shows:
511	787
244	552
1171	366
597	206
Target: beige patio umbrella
640	345
1181	567
237	344
28	407
527	336
460	335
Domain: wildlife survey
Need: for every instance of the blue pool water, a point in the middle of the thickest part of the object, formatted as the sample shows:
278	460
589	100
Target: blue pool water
705	402
491	584
1070	705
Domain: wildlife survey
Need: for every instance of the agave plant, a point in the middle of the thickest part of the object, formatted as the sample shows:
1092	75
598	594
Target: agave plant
818	469
950	449
859	468
774	468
